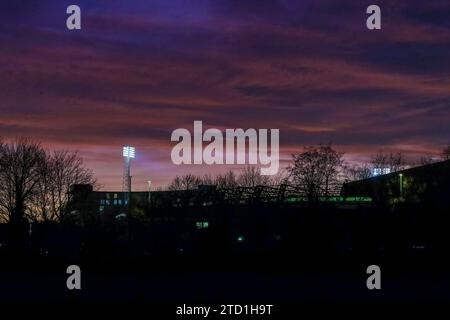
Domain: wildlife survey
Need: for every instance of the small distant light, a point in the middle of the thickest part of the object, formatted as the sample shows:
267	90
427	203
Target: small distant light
240	239
121	216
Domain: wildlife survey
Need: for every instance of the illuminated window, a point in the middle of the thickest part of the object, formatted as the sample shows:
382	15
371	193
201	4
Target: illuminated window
202	224
380	171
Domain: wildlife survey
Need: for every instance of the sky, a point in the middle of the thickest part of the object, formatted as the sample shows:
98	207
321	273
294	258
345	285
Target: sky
139	69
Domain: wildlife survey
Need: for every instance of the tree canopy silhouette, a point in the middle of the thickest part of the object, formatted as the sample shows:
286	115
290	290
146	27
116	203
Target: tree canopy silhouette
35	182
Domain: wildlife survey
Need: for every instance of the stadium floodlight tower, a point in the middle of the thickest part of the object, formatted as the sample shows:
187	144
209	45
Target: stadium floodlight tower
128	154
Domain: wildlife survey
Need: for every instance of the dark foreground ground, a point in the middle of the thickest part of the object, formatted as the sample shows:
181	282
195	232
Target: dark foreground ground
209	287
159	286
158	295
236	277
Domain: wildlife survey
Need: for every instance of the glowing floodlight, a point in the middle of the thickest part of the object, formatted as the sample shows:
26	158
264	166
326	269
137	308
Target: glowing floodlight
129	152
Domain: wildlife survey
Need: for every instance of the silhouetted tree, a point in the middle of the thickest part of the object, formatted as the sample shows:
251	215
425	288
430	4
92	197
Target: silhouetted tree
315	169
35	183
282	177
42	196
424	160
446	153
392	161
357	172
207	179
251	176
227	180
186	182
21	163
61	170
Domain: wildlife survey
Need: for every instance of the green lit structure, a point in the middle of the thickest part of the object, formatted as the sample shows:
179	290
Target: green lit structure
424	184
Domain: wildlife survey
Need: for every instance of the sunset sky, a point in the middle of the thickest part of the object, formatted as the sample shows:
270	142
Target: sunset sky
140	69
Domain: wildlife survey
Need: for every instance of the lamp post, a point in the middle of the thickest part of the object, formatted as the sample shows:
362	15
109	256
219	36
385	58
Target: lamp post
401	183
128	154
149	182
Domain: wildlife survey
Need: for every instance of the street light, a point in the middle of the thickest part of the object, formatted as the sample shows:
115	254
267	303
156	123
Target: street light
401	183
149	182
128	153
